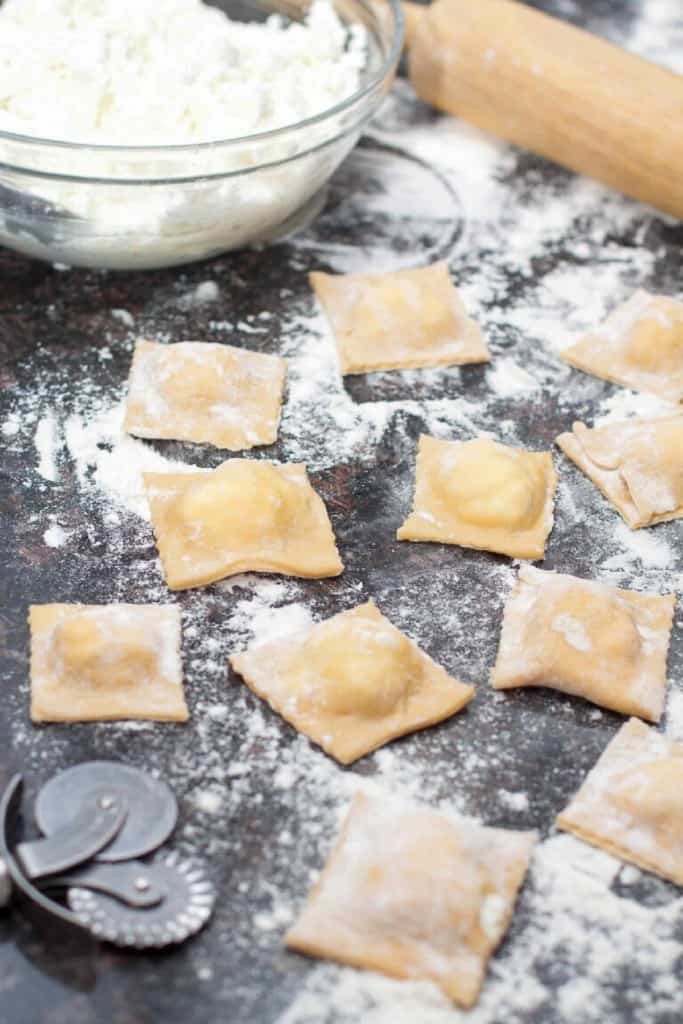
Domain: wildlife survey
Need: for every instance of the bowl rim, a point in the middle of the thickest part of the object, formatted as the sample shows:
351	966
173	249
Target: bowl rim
390	60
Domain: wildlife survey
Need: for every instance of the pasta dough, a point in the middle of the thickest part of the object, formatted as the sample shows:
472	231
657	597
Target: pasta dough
482	494
637	464
352	683
98	662
415	893
588	639
408	318
640	345
195	391
631	803
244	516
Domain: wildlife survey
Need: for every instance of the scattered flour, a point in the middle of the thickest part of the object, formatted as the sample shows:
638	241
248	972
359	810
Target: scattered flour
47	442
55	536
113	461
508	379
11	426
206	291
124	317
514	801
674	715
624	405
643	546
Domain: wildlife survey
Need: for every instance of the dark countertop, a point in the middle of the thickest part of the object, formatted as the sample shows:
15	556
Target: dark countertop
61	348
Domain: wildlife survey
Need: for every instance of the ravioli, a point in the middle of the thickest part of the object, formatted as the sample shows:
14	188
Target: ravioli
631	802
245	516
408	318
352	683
607	645
415	893
640	345
99	662
637	464
202	392
482	494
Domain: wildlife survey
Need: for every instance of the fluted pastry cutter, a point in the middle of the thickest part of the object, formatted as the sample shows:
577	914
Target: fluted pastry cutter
97	820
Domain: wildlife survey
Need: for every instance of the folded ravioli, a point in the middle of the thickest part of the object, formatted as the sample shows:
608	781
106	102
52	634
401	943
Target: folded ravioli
98	662
415	893
408	318
637	464
481	494
631	803
197	391
639	345
352	683
244	516
588	639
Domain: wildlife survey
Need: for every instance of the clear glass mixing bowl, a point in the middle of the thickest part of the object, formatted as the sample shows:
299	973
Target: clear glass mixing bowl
130	208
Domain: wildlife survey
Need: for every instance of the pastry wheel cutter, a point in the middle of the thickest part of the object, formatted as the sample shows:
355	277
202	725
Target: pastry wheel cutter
97	820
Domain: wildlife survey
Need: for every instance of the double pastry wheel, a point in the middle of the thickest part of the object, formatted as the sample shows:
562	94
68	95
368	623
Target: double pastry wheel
407	890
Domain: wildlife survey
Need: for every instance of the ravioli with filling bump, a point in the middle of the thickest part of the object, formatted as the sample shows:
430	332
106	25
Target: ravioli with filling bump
640	345
352	683
585	638
245	516
98	662
482	494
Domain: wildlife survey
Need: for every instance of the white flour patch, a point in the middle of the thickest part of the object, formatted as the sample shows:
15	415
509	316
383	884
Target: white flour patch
113	461
518	802
124	317
11	426
674	715
625	405
203	294
508	379
640	546
47	442
55	536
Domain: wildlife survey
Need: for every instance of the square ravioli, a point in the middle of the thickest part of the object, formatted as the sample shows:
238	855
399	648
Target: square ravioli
197	391
637	464
639	345
631	803
352	683
243	516
481	494
100	662
415	893
408	318
588	639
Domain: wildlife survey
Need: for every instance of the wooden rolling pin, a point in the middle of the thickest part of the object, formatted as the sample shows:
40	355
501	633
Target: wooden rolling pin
554	89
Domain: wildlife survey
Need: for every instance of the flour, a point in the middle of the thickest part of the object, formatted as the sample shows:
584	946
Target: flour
113	461
10	428
107	72
47	445
124	317
55	536
644	546
508	379
674	715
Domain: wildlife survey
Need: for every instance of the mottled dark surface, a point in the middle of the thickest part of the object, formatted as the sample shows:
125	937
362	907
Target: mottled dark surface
52	327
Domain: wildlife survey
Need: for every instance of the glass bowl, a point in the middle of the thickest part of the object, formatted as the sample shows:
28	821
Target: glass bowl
134	207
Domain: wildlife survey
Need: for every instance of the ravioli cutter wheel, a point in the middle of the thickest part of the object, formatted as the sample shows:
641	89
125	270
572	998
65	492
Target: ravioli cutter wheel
97	820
